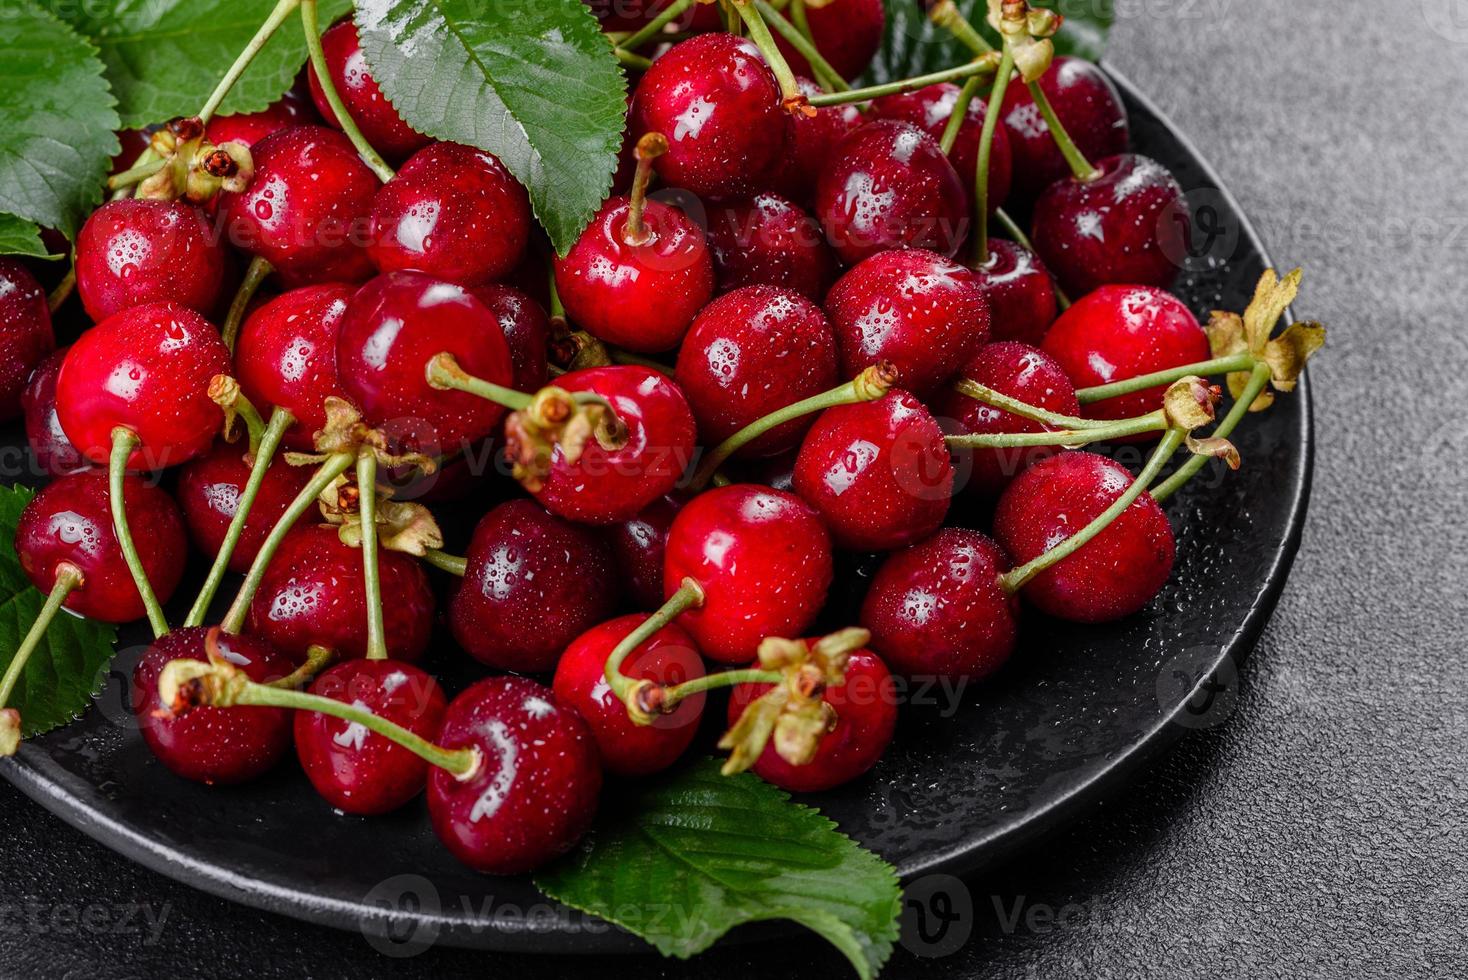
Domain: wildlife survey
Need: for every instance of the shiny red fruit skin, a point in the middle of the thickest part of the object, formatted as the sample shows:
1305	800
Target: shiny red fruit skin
1129	226
249	128
527	330
768	241
312	593
640	297
219	746
379	122
847	33
286	356
1020	292
54	453
392	328
1089	107
609	485
147	368
866	716
638	544
1115	574
536	790
669	657
751	352
25	333
878	472
1019	371
70	520
763	558
929	109
935	610
813	140
357	771
306	209
720	107
134	252
209	491
534	582
1121	332
924	313
453	212
889	186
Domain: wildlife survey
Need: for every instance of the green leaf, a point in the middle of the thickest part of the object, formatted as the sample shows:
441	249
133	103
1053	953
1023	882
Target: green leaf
66	671
164	57
701	853
536	84
21	237
56	138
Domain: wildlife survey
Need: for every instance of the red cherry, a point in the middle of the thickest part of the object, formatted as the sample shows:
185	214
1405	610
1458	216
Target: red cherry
55	455
920	311
1110	577
134	252
767	241
936	610
847	33
609	485
147	369
70	520
1021	372
358	771
312	594
533	583
638	294
453	212
1129	225
212	745
813	141
763	559
209	490
721	109
527	330
1121	332
929	109
306	209
25	333
249	128
638	544
535	791
667	657
1020	292
890	186
1089	107
878	472
751	352
379	122
866	716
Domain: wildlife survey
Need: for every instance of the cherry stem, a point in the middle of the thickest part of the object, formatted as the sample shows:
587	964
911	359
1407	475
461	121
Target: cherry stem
137	174
333	467
982	68
632	59
283	9
124	442
452	564
627	358
799	38
371	576
947	16
999	400
635	232
1016	579
1257	381
255	426
1218	365
759	33
68	579
689	596
64	288
444	372
317	657
671	696
868	386
310	24
1069	438
1079	165
986	153
654	27
258	271
1013	230
960	114
280	421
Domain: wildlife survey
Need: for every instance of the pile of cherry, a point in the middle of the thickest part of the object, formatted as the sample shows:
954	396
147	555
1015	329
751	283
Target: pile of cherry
717	410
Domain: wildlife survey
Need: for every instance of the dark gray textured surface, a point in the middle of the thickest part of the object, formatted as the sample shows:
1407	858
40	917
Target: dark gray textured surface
1319	831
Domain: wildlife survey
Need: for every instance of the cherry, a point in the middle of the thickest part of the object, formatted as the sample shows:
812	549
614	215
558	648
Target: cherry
1128	226
638	544
453	212
1113	575
25	333
209	491
749	353
286	356
878	472
763	561
937	609
667	657
721	109
306	209
55	455
866	715
358	771
768	241
847	33
813	140
535	790
312	594
212	745
527	330
1020	292
532	584
1121	332
69	520
1021	372
930	108
249	128
379	122
920	311
146	369
1089	107
133	252
392	328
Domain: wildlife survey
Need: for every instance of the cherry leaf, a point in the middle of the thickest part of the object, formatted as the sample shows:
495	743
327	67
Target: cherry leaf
21	237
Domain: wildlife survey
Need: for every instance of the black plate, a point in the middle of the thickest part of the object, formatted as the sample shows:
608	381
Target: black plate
1072	718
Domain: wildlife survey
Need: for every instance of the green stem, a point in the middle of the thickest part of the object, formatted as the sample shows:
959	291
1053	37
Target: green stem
632	59
124	441
1013	230
689	596
371	576
452	564
68	578
135	175
254	425
947	16
1004	402
798	37
628	358
256	273
1079	165
283	9
64	288
125	192
959	116
1070	438
986	154
709	682
1256	384
371	157
962	72
1015	580
317	657
1218	365
443	371
280	421
759	33
654	27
